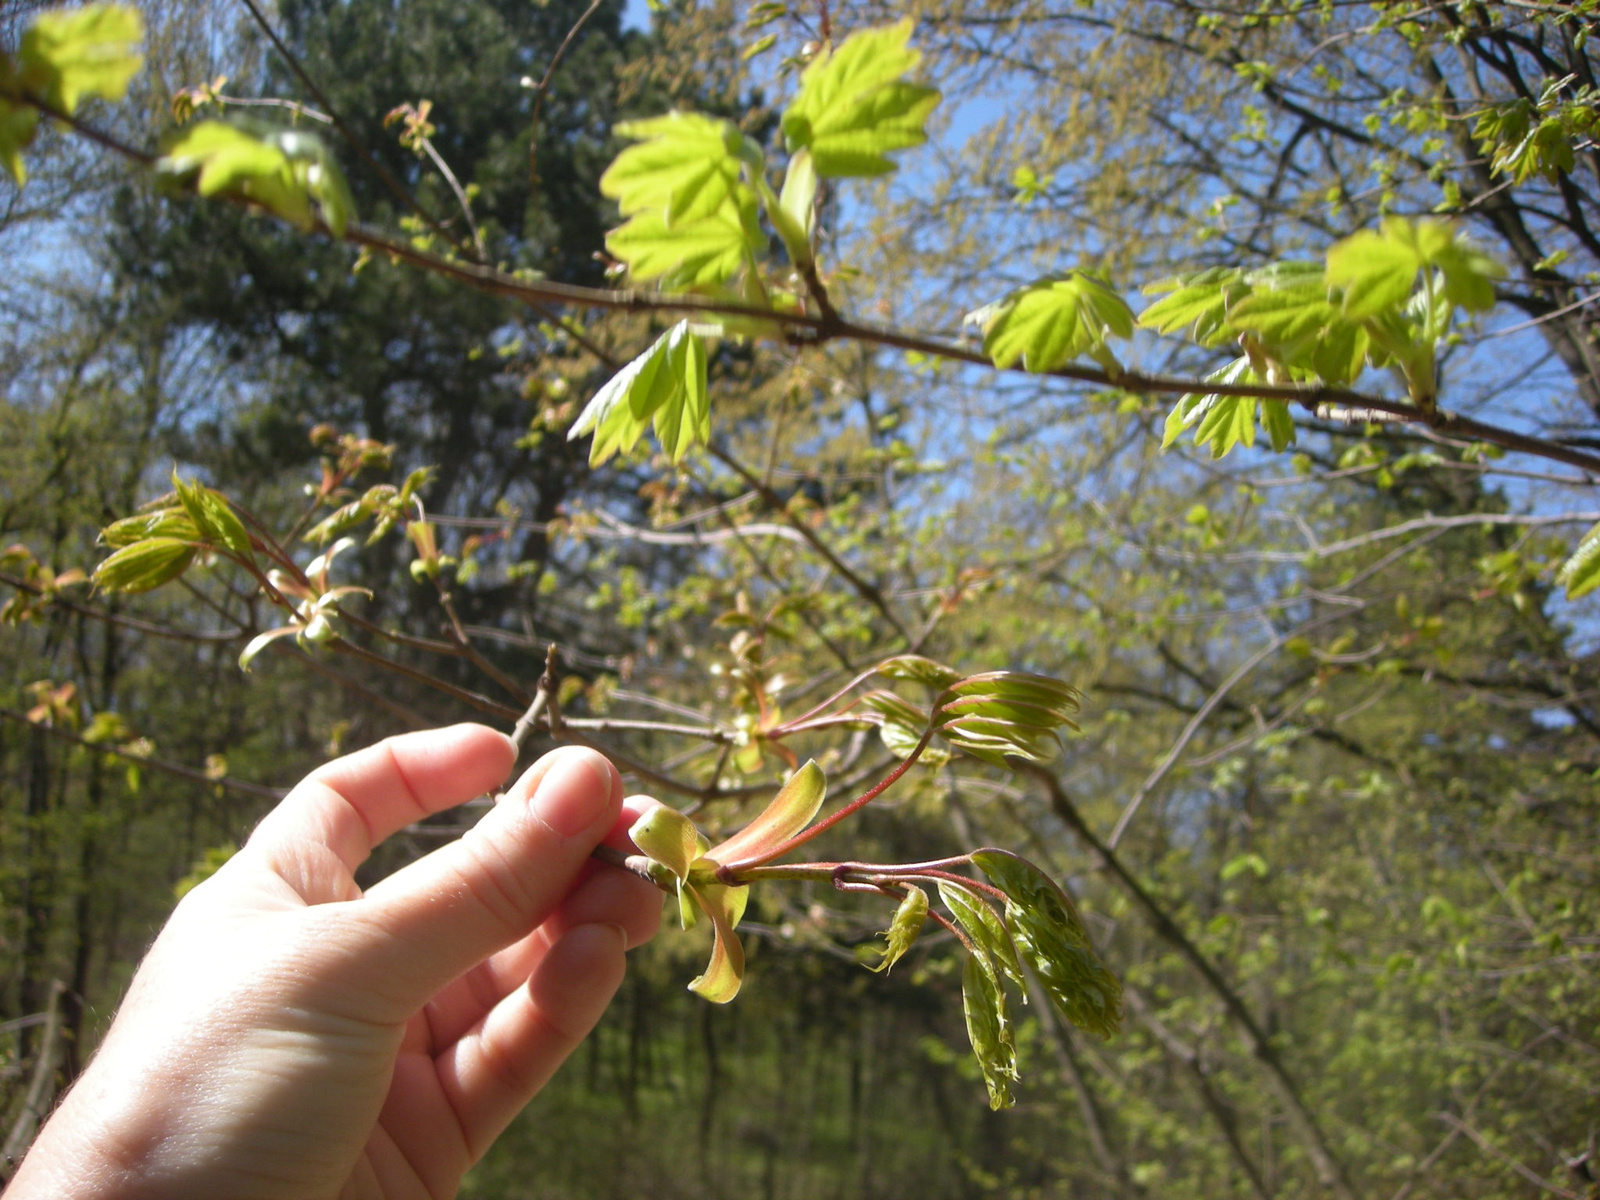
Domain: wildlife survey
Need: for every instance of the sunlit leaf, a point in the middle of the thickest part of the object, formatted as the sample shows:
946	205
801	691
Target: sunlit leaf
791	810
685	167
171	522
689	254
1054	321
904	928
1198	301
1377	269
665	385
1052	939
1580	574
854	105
261	641
67	54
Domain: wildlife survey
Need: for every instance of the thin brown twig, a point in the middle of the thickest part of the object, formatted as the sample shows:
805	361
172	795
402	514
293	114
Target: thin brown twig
542	88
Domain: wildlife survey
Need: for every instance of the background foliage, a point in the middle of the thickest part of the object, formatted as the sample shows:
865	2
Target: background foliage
1332	811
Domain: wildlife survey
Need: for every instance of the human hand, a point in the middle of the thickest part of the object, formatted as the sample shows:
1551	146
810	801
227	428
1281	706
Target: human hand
288	1036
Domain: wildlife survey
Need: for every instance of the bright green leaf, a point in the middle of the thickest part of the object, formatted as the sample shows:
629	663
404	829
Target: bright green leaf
1048	324
691	254
67	54
915	666
1580	574
667	385
854	106
723	975
685	167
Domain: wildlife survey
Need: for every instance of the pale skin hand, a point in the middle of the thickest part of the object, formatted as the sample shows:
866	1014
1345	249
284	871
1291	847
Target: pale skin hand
290	1037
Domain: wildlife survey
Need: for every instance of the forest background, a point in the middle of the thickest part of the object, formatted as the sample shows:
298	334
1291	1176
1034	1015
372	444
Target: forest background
1332	812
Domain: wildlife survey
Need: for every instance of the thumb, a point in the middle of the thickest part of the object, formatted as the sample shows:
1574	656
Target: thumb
440	916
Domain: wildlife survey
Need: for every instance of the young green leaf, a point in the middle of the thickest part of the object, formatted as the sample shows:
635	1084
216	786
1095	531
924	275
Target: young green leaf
1377	269
723	975
222	160
170	522
1052	939
67	54
145	565
1580	574
1054	321
1199	301
854	106
904	928
1222	422
923	670
670	838
215	521
666	384
794	216
18	124
989	1029
685	167
689	254
261	641
791	810
983	926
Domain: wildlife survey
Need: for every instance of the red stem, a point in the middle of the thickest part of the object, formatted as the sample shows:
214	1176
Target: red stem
827	823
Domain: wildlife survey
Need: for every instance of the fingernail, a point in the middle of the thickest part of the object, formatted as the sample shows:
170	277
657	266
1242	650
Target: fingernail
574	793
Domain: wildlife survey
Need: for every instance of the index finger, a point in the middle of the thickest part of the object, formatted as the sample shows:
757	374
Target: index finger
353	803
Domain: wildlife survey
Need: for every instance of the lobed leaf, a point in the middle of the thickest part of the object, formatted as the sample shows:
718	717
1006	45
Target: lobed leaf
213	518
665	385
1054	321
854	105
1377	269
67	54
685	167
904	929
1051	937
172	522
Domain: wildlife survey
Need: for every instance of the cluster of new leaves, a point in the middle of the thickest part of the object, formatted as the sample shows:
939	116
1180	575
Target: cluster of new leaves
288	172
1016	923
1384	298
694	190
64	57
1525	137
163	542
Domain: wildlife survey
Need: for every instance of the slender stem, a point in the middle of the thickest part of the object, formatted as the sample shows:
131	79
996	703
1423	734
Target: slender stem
541	699
860	802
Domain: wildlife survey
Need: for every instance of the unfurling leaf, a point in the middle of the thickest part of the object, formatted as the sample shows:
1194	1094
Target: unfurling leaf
261	641
923	670
213	518
1580	574
665	385
1049	323
1053	941
904	928
984	927
723	975
791	810
170	522
670	838
145	565
989	1028
1006	712
286	172
854	105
